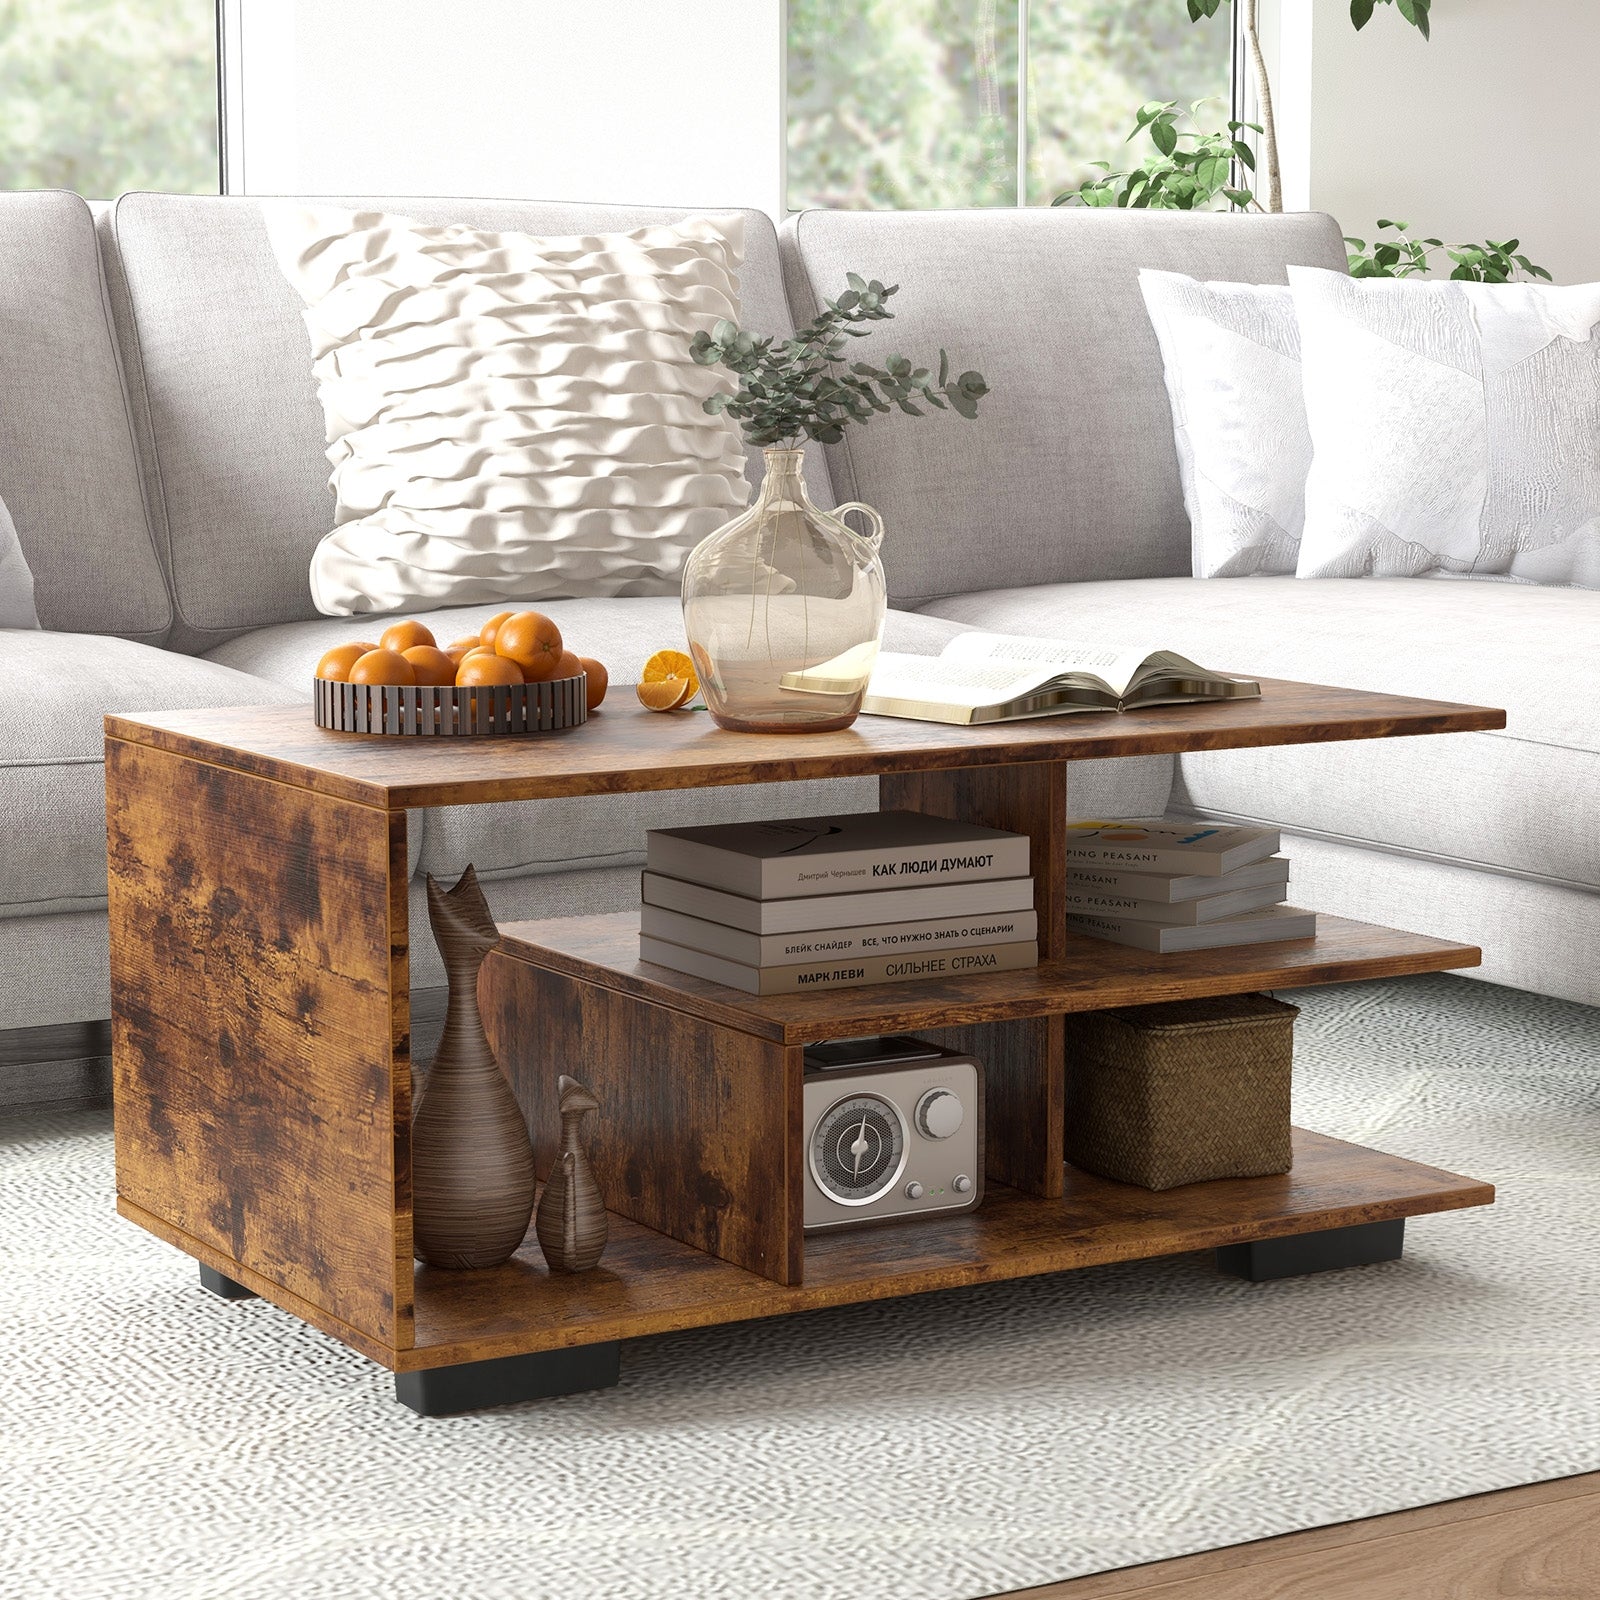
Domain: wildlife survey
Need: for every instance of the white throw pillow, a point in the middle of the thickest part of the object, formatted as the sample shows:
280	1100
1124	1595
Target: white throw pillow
16	580
1456	429
1231	352
510	417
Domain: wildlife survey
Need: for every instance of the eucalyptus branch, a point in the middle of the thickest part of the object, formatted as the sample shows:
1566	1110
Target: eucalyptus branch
1495	261
805	387
1189	170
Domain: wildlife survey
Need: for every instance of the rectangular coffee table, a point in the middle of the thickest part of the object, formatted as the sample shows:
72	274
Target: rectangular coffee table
261	1038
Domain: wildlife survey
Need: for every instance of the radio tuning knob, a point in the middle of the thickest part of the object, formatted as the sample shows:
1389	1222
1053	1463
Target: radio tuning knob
961	1184
939	1114
913	1190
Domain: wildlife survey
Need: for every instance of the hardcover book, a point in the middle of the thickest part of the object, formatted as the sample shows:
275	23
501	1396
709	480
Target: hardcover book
1183	913
982	897
852	973
1251	927
1162	844
1172	887
829	855
997	677
833	944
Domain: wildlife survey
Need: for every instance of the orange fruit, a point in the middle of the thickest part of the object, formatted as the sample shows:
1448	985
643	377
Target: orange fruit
484	668
533	641
492	627
599	678
567	665
666	664
431	666
403	636
336	663
383	666
666	694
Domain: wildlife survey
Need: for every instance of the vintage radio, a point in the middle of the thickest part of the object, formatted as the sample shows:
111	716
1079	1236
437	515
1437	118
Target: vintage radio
894	1130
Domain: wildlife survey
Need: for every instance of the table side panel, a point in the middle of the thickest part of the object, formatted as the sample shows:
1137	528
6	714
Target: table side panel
698	1132
260	1015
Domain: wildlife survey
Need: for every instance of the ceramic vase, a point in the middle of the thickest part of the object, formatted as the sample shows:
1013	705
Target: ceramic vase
472	1173
784	609
571	1221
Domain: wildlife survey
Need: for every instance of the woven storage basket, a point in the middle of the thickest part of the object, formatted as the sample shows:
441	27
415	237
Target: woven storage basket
1178	1093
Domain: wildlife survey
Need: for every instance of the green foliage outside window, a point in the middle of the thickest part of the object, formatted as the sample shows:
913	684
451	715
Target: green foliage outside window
100	96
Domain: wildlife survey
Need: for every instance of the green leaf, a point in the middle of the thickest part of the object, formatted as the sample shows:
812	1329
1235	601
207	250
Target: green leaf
1361	12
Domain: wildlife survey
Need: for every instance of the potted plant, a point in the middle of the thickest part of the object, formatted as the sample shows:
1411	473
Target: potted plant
784	605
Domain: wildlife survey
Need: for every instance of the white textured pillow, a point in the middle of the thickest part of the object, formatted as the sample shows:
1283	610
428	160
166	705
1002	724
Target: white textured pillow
1456	429
16	580
1232	357
510	417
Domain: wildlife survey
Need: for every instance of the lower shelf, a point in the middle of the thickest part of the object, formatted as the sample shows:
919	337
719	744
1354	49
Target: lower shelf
649	1283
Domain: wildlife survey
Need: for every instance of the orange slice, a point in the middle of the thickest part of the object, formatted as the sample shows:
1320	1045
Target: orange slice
665	664
666	694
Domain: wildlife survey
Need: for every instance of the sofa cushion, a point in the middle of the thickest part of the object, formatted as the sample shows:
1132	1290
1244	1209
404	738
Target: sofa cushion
1070	472
544	836
68	469
55	689
16	579
219	367
1518	801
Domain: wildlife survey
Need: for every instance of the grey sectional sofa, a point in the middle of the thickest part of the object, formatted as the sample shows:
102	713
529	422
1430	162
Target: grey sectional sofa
161	454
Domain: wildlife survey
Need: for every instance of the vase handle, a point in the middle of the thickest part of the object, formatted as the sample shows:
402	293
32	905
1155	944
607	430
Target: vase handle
875	536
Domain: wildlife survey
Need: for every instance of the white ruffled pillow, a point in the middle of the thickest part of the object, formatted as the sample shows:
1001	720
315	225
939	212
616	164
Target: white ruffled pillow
1456	429
16	579
1231	353
511	417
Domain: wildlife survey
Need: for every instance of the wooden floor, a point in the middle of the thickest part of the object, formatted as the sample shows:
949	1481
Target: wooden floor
1541	1542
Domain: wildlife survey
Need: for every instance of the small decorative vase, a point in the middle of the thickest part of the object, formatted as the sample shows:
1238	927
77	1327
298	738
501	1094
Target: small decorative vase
472	1174
571	1221
784	610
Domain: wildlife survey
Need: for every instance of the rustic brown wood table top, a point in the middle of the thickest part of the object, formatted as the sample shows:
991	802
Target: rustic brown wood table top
625	748
261	1024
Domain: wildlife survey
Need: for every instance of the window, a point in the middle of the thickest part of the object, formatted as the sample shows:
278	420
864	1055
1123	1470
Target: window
914	103
106	95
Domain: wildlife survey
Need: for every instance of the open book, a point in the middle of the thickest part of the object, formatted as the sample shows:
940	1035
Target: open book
997	677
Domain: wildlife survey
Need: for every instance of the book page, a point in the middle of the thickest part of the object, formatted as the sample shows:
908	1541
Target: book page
1116	668
938	679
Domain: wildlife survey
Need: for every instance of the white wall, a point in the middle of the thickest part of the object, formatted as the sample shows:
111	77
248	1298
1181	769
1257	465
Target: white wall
1481	133
666	102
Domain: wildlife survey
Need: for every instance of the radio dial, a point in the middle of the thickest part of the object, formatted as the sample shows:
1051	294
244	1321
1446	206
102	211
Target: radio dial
940	1114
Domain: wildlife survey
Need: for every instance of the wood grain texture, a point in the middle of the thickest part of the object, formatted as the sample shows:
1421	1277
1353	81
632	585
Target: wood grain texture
700	1137
1536	1542
472	1175
627	749
1024	1098
1023	1060
571	1224
648	1283
259	981
1021	797
1090	975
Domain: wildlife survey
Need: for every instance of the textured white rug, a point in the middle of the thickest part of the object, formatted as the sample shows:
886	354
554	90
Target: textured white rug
156	1442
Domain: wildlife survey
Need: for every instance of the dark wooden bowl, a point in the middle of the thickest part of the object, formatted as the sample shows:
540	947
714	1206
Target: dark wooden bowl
432	712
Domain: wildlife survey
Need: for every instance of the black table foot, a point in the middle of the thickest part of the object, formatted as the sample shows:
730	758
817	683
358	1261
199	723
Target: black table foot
1265	1259
477	1385
218	1284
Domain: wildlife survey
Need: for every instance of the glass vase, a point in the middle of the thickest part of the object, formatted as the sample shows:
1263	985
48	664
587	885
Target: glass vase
784	609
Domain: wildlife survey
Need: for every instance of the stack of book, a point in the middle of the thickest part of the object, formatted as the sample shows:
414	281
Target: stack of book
837	902
1171	884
